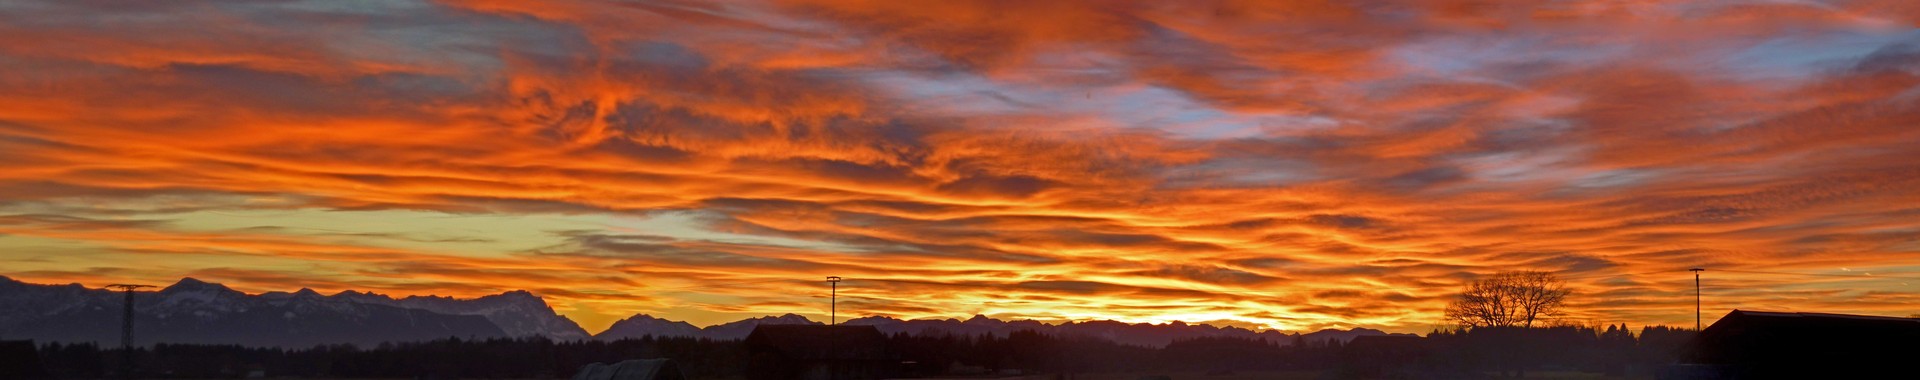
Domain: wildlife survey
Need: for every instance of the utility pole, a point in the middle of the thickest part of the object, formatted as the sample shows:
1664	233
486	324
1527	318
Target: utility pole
126	329
833	318
1696	297
833	303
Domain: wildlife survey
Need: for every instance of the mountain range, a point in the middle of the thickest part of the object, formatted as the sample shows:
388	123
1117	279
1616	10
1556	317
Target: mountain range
194	311
1140	334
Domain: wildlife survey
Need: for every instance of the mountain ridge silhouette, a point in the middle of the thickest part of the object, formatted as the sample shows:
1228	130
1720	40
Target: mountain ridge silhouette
196	311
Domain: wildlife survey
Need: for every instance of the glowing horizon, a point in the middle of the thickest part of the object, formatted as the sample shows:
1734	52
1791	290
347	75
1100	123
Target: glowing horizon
1296	166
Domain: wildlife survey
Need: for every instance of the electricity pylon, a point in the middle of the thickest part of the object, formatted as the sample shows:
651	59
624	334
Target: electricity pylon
126	329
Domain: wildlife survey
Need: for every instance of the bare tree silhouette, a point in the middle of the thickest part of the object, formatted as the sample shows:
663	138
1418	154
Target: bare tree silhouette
1508	299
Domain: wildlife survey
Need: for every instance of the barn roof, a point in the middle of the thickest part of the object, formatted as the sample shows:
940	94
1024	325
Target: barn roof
817	342
1784	325
1762	339
1777	314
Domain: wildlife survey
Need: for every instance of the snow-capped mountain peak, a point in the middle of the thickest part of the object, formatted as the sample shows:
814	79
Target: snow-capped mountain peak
199	297
640	325
518	312
194	285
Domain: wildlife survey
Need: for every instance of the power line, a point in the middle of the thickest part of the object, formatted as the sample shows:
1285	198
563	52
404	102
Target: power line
1149	290
1252	292
1863	275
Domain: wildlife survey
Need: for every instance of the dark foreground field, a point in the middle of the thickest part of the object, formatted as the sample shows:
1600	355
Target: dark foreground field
1267	375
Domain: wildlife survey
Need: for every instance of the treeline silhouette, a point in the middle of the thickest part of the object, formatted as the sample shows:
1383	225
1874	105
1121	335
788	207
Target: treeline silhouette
1613	349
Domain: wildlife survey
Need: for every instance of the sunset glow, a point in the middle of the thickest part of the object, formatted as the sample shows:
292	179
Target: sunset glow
1290	165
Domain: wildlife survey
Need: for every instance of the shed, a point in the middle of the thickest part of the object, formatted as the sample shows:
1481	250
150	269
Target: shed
637	369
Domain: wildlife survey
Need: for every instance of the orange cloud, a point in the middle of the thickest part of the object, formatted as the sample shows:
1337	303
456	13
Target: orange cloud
1296	165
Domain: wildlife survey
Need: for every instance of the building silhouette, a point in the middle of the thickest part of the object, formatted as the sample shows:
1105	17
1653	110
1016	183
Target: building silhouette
1775	345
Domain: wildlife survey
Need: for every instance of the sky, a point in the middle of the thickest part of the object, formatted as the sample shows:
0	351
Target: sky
1277	165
